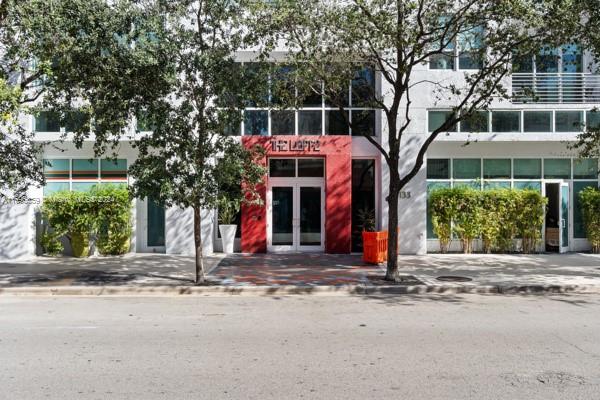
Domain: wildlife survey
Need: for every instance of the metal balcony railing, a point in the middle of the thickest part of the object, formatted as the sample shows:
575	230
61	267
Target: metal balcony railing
564	88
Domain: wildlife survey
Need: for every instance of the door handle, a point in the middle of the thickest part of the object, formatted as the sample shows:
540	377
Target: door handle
563	223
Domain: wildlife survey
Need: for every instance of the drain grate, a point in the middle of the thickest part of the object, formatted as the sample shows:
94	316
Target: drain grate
453	279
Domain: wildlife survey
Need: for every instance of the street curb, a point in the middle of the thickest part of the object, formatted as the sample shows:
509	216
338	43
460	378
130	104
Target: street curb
344	290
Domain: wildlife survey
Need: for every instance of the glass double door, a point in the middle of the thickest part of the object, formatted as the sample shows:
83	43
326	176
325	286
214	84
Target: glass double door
295	216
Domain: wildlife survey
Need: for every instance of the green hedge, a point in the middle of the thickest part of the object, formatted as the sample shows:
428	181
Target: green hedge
103	214
590	204
496	216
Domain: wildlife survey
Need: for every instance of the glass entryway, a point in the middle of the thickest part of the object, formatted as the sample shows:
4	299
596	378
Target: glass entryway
295	217
295	205
557	222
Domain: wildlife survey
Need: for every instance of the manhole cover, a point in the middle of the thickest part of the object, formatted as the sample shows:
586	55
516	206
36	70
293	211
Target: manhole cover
454	279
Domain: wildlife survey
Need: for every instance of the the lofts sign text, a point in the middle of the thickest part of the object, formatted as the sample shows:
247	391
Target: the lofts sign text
295	145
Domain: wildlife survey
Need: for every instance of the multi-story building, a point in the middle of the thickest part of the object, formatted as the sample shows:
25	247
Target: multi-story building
322	175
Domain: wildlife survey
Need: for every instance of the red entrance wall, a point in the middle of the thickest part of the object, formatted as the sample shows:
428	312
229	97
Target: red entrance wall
337	151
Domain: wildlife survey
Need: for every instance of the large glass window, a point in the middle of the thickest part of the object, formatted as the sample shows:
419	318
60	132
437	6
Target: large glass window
572	58
470	46
311	167
578	223
47	121
477	122
53	187
282	85
586	168
282	167
75	121
506	121
437	119
593	119
537	121
363	87
57	168
83	174
336	122
313	96
547	60
496	169
113	169
256	122
569	121
85	169
557	168
527	168
283	122
438	168
444	60
363	198
363	123
530	185
490	185
318	112
309	122
466	168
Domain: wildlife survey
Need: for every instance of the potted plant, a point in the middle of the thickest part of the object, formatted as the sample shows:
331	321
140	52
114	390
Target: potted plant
228	209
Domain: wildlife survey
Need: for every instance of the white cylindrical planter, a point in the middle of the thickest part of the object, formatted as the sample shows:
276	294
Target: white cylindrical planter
227	237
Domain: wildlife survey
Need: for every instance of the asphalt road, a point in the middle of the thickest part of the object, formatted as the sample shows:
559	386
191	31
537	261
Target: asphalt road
301	347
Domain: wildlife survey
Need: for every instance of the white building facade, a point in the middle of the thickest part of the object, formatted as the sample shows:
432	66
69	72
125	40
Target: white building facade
323	177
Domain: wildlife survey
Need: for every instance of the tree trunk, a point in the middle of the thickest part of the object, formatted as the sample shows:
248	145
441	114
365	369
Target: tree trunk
198	244
392	256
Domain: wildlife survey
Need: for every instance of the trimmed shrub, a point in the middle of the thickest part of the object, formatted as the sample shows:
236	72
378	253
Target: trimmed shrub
530	219
442	203
491	226
496	216
69	214
104	213
590	204
468	218
112	219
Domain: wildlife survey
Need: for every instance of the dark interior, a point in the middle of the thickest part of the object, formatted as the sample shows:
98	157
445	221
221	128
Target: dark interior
552	217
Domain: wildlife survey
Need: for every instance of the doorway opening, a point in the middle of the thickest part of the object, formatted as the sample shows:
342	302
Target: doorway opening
296	205
557	217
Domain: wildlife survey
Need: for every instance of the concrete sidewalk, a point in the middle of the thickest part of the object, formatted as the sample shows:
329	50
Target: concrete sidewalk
269	274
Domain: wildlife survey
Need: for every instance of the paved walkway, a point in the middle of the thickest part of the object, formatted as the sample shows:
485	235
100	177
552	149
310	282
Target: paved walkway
131	269
503	269
296	269
491	273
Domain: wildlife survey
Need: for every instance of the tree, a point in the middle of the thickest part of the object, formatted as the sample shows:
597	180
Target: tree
54	53
588	33
329	40
19	164
171	64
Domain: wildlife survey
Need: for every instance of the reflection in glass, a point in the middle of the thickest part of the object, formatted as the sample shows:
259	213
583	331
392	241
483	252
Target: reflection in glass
310	123
282	167
282	218
311	167
256	123
310	216
283	122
